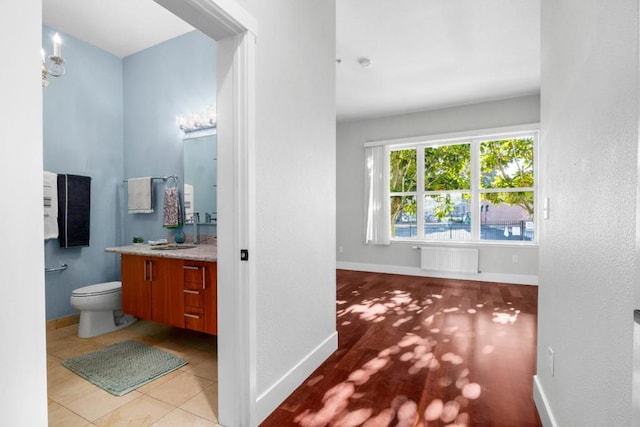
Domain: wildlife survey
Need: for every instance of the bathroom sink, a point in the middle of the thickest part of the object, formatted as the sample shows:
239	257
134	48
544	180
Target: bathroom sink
173	246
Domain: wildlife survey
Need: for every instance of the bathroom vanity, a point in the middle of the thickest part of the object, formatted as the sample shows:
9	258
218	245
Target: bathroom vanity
177	287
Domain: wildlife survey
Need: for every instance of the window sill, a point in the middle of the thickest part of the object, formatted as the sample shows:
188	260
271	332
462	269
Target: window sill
475	243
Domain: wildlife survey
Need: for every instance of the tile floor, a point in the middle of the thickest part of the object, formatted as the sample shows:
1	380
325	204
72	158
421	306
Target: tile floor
185	397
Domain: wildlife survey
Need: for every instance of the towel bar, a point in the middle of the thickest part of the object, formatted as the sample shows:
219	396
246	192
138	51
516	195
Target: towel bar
164	178
51	269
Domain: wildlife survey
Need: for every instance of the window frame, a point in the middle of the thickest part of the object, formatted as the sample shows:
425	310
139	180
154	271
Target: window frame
474	139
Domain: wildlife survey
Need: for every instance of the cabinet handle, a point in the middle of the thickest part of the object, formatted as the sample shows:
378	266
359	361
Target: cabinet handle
189	291
145	270
204	278
151	271
193	316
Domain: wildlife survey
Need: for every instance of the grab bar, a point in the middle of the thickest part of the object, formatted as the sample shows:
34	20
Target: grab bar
51	269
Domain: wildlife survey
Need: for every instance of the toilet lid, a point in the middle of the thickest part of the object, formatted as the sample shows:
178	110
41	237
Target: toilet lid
98	289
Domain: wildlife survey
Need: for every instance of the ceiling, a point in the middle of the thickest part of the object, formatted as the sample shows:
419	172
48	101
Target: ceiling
425	54
121	27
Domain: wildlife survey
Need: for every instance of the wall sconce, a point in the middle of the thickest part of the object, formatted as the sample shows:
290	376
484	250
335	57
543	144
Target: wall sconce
53	64
197	121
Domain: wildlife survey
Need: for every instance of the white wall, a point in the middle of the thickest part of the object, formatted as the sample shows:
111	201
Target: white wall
495	261
589	116
295	201
295	192
23	395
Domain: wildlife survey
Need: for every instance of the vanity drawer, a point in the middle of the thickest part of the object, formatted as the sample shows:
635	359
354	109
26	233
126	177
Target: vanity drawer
195	276
194	298
194	318
200	288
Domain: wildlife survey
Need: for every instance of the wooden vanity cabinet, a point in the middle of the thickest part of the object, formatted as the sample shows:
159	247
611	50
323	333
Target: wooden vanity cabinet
175	292
149	290
200	296
136	285
166	304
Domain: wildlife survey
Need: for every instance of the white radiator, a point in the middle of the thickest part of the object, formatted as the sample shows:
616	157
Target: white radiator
457	260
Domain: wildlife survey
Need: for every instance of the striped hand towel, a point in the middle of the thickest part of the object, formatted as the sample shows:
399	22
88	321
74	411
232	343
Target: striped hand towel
172	209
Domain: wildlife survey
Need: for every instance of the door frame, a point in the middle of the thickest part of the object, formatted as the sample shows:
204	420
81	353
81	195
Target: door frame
235	32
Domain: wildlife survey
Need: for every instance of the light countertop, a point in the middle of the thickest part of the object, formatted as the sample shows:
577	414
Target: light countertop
199	253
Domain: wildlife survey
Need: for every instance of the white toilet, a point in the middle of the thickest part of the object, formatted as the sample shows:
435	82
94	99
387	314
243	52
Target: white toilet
100	308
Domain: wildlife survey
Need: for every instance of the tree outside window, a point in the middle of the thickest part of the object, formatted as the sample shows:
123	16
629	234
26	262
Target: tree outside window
502	188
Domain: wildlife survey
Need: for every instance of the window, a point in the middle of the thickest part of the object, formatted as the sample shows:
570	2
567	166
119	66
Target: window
476	189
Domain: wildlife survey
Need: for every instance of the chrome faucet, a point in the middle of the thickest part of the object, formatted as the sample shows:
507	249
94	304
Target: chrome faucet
194	220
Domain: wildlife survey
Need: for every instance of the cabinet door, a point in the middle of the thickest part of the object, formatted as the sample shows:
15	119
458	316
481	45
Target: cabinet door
211	299
167	302
136	290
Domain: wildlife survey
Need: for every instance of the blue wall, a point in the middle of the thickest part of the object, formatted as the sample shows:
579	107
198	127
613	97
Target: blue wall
111	119
82	119
160	83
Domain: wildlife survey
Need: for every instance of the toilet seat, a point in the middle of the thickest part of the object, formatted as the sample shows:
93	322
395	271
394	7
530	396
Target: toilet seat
97	289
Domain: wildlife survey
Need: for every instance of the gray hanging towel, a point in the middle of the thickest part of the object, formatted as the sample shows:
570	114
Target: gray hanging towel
74	210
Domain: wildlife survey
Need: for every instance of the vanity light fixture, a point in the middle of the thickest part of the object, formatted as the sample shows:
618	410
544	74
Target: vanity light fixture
197	121
53	64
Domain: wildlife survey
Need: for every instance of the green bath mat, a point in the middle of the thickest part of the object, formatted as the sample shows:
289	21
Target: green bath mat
123	367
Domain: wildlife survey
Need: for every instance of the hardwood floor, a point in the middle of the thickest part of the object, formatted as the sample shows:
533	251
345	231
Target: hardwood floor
423	352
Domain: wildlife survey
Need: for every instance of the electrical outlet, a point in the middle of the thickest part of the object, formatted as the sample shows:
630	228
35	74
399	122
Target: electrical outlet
340	249
514	258
550	361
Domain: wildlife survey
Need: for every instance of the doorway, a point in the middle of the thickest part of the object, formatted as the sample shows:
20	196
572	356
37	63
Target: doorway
234	30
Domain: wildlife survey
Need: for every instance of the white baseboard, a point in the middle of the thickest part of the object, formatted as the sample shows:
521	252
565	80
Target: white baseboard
542	404
281	389
518	279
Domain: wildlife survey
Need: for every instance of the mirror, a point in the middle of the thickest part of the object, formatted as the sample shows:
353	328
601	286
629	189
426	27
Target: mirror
200	179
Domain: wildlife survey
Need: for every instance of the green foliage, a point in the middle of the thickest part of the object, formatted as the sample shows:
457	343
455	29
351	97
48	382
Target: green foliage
399	204
403	175
504	163
446	203
508	163
402	178
447	167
